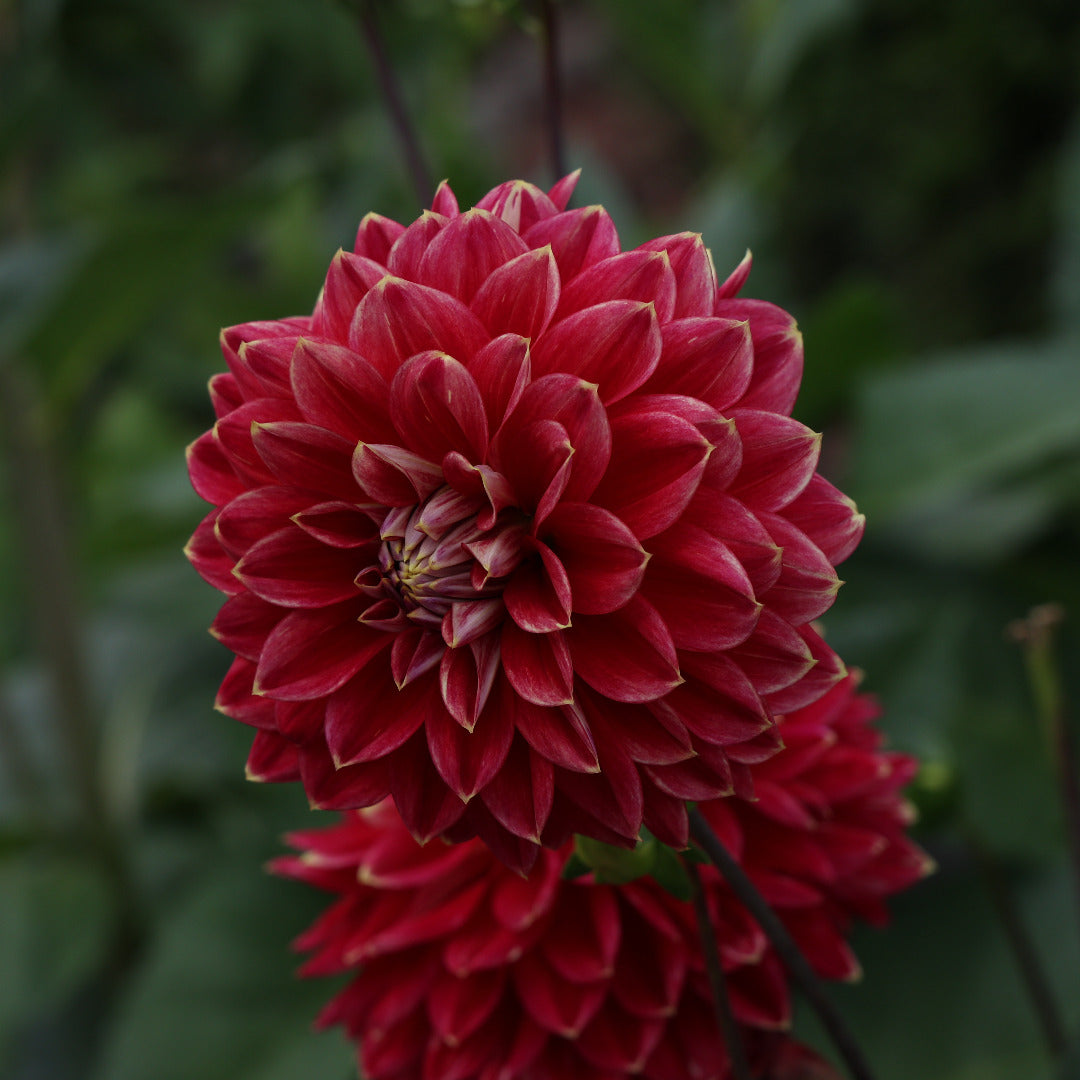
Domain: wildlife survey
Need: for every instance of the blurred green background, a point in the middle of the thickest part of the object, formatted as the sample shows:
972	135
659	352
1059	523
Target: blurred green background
907	173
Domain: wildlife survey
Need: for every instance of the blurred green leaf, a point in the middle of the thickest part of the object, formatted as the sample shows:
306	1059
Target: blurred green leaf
56	916
940	446
217	997
32	272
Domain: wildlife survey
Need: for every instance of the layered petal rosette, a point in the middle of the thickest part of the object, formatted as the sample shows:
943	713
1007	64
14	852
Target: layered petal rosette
517	528
463	969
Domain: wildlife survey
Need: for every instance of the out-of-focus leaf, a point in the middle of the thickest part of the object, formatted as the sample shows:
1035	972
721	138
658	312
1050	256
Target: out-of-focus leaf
1066	280
31	274
787	29
216	996
939	446
55	918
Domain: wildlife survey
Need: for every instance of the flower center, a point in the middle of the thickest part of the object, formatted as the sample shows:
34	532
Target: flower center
440	553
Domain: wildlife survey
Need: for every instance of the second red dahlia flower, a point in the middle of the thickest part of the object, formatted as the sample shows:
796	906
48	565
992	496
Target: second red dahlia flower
517	528
463	970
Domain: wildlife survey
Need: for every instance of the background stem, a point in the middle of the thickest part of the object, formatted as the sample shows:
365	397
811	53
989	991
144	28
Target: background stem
725	1018
549	41
394	100
796	964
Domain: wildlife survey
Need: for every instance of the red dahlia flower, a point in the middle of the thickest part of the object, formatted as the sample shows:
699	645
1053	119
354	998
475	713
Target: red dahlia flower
465	970
517	528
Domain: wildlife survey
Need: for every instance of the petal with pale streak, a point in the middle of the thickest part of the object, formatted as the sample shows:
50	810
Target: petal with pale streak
538	666
312	653
578	238
376	235
574	403
521	296
614	344
394	476
520	794
464	253
349	278
828	517
779	458
293	569
212	477
604	562
657	462
778	354
641	275
437	408
502	369
627	655
338	389
538	596
706	358
467	760
212	562
303	455
561	735
398	319
695	275
700	590
369	717
518	203
257	513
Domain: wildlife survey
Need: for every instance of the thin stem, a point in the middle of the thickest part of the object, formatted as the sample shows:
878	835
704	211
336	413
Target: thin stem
1023	948
393	99
41	524
797	966
1036	636
725	1018
549	41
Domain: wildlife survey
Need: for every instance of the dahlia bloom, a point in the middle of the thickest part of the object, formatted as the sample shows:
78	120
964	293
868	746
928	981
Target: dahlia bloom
463	969
516	528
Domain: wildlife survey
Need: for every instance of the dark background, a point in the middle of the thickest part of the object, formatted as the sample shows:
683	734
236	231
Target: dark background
907	173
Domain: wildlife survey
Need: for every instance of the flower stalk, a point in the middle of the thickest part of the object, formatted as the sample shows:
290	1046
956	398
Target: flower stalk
393	99
549	44
725	1018
1036	636
794	961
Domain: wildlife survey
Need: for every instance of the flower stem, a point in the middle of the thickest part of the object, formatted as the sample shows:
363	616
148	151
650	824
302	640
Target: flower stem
794	961
52	581
725	1018
1036	636
393	99
549	43
1023	948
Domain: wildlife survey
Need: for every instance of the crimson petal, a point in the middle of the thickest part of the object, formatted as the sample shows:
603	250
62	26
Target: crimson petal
521	296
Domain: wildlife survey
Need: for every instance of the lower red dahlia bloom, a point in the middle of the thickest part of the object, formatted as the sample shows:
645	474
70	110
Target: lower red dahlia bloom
516	527
466	970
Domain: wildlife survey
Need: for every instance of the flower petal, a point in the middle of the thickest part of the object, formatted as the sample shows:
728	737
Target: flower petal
604	562
657	462
614	344
398	319
538	596
700	590
394	476
464	253
641	275
779	458
521	296
347	283
437	408
778	354
312	653
295	570
578	238
695	275
627	655
375	237
828	517
302	455
338	389
518	203
502	369
706	358
538	666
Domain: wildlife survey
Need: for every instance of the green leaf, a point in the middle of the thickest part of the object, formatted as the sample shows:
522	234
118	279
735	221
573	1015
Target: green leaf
615	865
55	918
670	873
217	998
31	273
960	457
